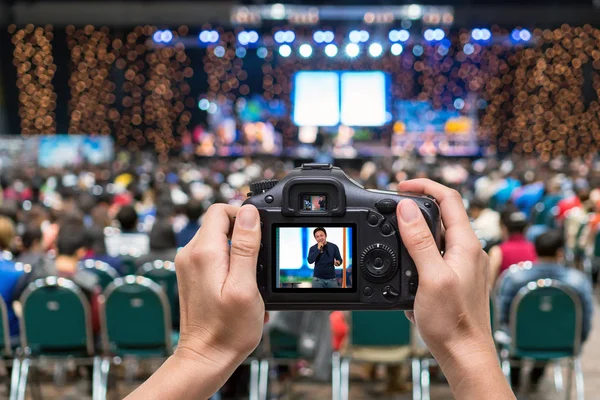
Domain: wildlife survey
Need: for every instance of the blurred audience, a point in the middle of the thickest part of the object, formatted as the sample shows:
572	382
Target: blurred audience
193	211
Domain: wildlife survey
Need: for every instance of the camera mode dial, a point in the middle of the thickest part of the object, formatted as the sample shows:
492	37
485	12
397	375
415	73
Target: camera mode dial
378	263
262	186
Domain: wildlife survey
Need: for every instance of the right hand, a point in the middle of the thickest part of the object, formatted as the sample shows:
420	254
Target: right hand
320	245
451	308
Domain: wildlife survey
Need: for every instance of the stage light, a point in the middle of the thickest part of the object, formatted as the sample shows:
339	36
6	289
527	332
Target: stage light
354	36
328	36
429	35
418	50
459	104
364	36
204	36
278	11
166	36
414	11
305	50
214	36
203	104
403	35
285	50
439	34
476	34
240	52
331	50
486	34
468	49
352	50
243	38
157	37
279	37
290	36
525	35
396	49
318	37
375	49
443	50
219	51
516	35
394	35
252	37
262	52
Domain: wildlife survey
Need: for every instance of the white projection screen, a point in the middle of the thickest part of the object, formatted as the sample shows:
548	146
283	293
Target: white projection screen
323	98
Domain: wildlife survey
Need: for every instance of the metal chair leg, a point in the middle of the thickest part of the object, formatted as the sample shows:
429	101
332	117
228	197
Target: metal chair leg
96	379
416	378
24	374
263	383
579	384
14	379
526	368
345	379
335	376
504	356
558	377
104	374
425	379
569	386
254	375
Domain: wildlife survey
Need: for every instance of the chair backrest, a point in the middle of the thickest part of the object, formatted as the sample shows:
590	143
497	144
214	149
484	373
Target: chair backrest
380	329
546	316
5	348
135	317
105	273
163	273
56	317
283	344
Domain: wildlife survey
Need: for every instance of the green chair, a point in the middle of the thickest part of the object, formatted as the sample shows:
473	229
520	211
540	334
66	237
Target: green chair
535	334
105	273
136	323
382	337
56	325
7	356
128	263
163	273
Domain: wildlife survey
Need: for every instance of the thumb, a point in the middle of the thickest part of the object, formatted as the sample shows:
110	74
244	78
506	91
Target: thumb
245	243
417	237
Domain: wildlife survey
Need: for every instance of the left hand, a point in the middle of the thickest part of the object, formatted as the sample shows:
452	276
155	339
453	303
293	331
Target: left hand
337	263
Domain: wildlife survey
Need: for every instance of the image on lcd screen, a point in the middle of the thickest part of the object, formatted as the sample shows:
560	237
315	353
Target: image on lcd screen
313	257
316	203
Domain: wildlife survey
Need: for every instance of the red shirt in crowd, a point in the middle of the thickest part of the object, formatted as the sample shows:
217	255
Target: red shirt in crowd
515	250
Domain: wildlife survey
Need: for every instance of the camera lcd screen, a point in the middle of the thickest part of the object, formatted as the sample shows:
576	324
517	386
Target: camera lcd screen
315	258
316	203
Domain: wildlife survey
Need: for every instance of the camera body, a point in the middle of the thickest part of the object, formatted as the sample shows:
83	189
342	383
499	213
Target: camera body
329	244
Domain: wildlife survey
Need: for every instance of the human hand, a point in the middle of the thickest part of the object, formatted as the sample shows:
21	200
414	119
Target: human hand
337	263
451	309
222	311
320	245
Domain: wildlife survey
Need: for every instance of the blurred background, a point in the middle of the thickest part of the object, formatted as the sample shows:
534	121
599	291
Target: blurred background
121	122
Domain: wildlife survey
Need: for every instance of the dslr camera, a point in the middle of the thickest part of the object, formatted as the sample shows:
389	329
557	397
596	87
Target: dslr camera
330	244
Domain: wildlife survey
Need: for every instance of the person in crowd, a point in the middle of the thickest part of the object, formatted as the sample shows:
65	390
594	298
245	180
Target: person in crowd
163	243
129	240
223	312
326	256
193	211
515	248
32	249
9	274
486	223
549	265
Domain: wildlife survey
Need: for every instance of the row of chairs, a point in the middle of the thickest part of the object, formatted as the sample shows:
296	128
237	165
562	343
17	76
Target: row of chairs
56	327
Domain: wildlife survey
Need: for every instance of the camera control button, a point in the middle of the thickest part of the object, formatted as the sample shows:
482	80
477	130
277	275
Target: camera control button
413	285
368	291
378	262
386	206
390	293
260	269
387	229
269	199
374	218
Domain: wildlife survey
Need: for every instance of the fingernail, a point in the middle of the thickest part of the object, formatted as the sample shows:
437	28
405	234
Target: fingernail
247	217
409	211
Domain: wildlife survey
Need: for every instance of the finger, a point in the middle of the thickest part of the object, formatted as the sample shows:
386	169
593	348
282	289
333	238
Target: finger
245	243
411	316
417	238
454	215
210	245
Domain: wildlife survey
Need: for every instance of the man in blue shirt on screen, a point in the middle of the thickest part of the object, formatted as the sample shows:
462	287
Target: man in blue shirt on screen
326	256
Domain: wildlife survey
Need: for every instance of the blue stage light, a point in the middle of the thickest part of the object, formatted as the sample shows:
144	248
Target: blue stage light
403	35
331	50
525	35
305	50
396	49
285	50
